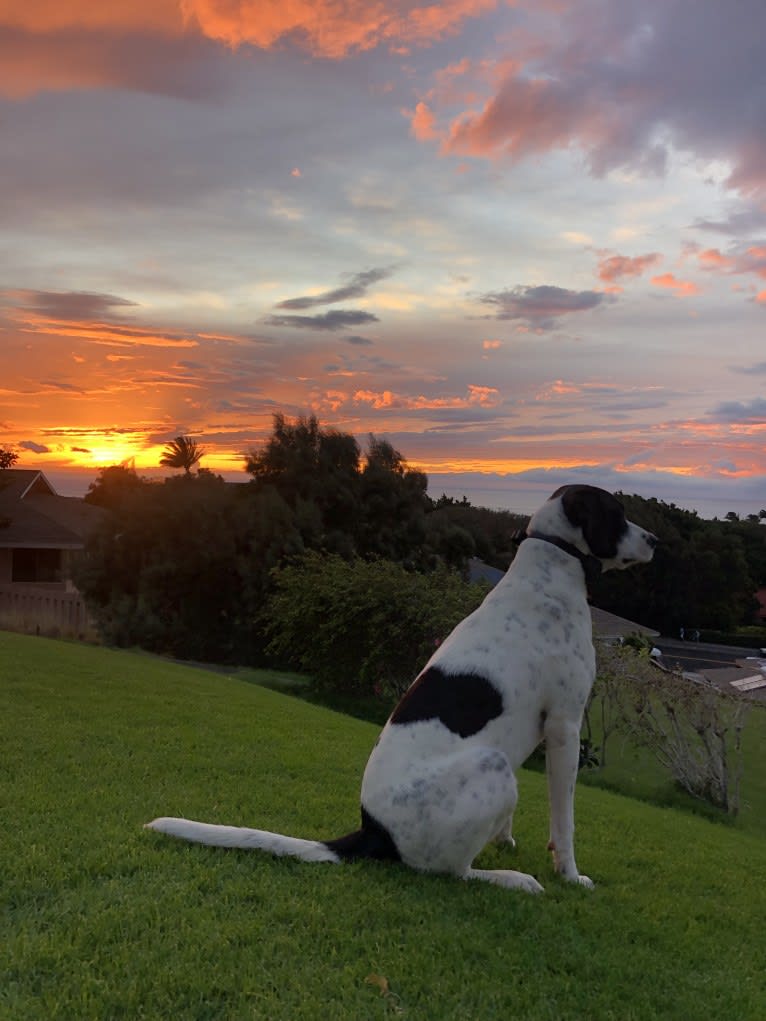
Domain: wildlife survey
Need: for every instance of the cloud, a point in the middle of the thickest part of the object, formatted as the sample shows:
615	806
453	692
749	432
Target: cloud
746	218
742	259
357	341
35	448
612	268
759	369
476	397
89	57
357	287
743	412
338	319
422	123
541	306
627	85
681	288
331	28
68	305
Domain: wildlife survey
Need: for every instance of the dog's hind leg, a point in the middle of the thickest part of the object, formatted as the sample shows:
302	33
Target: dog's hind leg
444	818
505	834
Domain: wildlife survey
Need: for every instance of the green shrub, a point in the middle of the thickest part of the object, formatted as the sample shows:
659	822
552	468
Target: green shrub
362	626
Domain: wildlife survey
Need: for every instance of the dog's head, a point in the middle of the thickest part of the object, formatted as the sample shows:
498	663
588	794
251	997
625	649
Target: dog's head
594	521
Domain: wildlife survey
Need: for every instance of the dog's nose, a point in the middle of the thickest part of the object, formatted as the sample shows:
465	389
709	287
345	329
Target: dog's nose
651	540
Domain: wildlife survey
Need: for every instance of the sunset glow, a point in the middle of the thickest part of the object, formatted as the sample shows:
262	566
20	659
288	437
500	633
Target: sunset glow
524	242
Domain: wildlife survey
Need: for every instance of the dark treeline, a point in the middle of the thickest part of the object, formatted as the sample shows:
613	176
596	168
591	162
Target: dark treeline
187	566
704	574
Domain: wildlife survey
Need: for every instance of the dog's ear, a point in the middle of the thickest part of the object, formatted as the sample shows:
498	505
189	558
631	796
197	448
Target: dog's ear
599	515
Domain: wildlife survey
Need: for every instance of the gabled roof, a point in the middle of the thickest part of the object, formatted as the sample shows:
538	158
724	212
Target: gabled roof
33	515
16	483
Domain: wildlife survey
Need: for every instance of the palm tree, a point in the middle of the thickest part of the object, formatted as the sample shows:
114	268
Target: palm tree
182	452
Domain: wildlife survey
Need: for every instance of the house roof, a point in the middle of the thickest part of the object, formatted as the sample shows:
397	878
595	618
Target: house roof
479	571
609	625
744	680
605	624
33	515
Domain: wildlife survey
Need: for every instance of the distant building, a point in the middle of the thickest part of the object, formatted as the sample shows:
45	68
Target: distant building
607	626
41	534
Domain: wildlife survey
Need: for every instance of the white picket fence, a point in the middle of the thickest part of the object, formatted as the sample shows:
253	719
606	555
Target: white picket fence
44	611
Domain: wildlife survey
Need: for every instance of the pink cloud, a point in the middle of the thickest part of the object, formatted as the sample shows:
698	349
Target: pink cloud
69	59
422	123
681	288
331	28
626	85
712	258
614	267
750	260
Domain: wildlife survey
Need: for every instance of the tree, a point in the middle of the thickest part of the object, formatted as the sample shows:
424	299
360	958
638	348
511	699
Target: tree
395	502
182	452
164	570
113	486
7	459
377	510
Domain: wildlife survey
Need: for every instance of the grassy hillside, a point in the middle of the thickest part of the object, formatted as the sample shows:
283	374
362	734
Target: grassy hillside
103	920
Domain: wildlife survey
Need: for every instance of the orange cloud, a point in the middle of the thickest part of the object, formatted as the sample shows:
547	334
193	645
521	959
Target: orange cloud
614	267
117	15
330	28
682	288
712	258
477	396
422	123
98	333
83	45
761	298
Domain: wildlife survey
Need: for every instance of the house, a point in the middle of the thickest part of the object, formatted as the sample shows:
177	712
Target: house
41	534
607	627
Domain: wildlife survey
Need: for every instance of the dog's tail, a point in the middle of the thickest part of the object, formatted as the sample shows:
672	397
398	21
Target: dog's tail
370	841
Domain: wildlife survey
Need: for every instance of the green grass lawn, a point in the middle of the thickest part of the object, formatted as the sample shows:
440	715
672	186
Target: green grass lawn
103	920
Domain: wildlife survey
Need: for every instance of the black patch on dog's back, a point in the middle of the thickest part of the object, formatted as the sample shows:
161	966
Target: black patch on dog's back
371	841
464	703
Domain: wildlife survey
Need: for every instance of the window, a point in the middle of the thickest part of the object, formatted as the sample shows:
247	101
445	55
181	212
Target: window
36	565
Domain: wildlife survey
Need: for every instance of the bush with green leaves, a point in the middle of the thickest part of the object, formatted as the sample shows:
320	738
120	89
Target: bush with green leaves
362	627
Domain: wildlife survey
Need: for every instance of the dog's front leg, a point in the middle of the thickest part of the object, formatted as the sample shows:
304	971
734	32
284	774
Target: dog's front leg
562	754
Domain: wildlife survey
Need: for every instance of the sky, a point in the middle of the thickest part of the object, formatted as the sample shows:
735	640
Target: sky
523	241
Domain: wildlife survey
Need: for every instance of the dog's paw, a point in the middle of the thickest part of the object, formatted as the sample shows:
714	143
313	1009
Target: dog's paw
531	885
587	882
507	878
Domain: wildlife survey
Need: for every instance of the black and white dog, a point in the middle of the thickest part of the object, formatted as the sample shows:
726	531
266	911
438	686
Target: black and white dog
439	784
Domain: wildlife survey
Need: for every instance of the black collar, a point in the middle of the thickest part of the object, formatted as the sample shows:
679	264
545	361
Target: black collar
591	565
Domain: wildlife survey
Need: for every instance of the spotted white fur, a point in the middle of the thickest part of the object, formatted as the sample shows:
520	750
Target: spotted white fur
439	784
